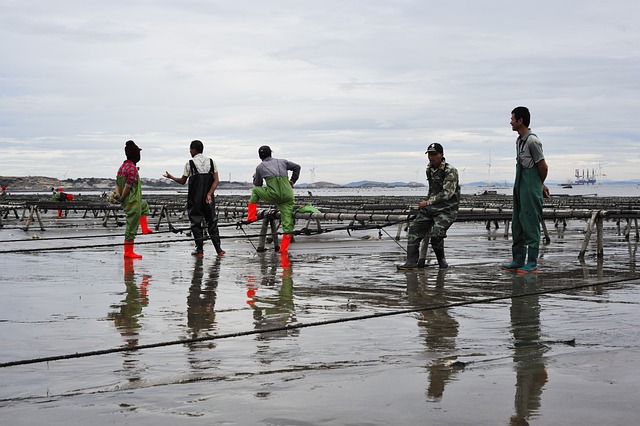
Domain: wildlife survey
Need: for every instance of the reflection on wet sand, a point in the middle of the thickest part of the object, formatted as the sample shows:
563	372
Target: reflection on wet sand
585	268
201	315
201	299
275	310
126	314
398	361
438	327
633	249
528	357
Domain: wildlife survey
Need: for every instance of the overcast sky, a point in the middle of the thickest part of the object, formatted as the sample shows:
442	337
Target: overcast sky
350	90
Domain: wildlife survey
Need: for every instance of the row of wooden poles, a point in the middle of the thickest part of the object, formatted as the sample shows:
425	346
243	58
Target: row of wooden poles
363	211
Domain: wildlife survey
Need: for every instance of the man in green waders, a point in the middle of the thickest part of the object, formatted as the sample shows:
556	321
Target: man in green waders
279	190
528	191
129	194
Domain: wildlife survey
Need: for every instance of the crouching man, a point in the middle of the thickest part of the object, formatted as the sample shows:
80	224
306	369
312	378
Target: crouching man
437	213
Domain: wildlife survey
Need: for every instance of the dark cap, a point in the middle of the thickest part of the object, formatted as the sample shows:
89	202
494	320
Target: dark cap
435	147
132	151
264	151
132	146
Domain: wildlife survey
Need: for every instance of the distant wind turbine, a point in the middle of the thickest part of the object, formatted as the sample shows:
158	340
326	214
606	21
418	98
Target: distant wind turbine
313	173
489	164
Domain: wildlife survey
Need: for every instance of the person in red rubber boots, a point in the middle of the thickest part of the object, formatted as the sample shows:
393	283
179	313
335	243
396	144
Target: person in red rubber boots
129	193
61	197
279	190
202	174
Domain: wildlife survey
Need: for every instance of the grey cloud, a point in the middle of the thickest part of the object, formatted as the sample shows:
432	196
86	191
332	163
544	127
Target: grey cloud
325	81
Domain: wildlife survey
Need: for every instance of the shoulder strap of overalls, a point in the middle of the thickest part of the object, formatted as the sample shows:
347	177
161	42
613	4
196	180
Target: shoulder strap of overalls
522	144
527	138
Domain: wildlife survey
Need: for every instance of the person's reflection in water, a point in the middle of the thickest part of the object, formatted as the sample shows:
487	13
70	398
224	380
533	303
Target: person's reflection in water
275	310
528	357
201	315
633	249
440	329
202	299
126	314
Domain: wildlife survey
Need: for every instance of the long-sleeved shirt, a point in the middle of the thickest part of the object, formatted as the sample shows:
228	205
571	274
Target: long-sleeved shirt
271	167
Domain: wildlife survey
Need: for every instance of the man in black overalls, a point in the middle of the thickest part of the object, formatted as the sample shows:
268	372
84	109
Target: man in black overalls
203	179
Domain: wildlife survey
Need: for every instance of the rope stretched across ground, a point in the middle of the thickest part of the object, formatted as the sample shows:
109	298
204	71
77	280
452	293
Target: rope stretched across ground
238	225
306	325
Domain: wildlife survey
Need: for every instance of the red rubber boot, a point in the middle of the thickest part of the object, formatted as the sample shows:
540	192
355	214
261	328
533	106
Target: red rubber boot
253	212
128	250
284	247
144	225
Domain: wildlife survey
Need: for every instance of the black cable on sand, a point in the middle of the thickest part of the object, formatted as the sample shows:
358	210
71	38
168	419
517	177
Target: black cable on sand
91	246
306	325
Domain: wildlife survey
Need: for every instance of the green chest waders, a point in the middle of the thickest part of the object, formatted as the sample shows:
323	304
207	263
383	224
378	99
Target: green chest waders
527	214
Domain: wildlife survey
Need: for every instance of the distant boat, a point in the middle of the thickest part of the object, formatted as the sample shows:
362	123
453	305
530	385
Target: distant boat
566	185
585	178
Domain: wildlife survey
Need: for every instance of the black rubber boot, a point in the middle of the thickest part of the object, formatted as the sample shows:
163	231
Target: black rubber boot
437	244
442	262
214	234
198	238
413	252
216	244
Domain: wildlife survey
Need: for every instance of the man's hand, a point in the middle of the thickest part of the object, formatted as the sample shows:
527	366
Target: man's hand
545	192
425	207
113	198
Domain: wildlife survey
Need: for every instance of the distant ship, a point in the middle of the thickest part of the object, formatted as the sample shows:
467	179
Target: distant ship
583	178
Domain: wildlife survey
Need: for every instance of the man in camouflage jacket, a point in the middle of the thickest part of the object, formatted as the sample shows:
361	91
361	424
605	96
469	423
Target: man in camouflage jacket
438	212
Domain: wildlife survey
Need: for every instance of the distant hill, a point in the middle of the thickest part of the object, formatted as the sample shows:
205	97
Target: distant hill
318	185
43	183
375	184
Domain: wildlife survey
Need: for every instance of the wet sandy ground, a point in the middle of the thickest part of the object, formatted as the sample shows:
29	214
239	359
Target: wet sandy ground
470	345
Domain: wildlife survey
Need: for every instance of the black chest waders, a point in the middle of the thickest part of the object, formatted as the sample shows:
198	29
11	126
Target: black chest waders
199	210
